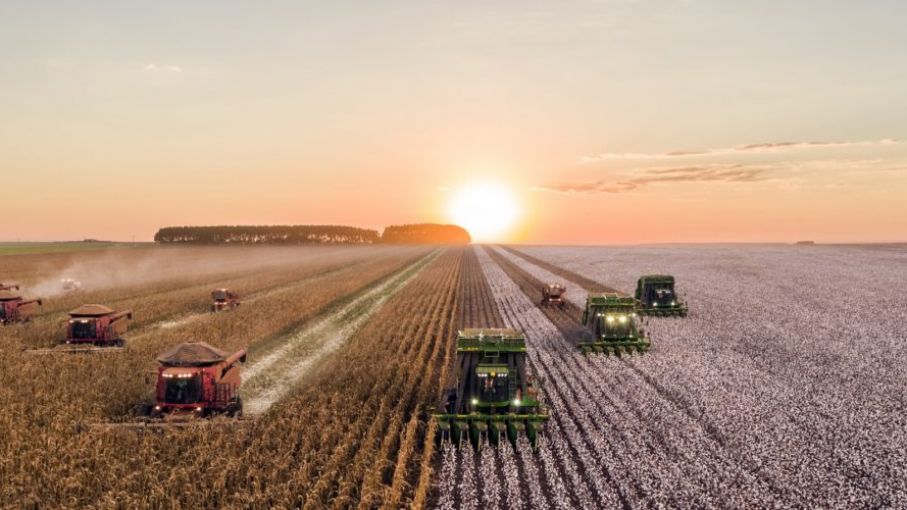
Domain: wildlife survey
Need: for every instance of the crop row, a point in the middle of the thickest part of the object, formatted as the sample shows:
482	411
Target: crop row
45	457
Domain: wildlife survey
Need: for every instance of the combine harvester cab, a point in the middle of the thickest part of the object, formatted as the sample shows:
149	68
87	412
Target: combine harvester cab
495	397
13	308
224	299
611	318
553	294
92	328
196	380
657	297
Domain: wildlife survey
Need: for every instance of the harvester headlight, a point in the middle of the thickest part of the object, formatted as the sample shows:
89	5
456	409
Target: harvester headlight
475	401
157	408
623	319
673	303
516	402
199	409
610	319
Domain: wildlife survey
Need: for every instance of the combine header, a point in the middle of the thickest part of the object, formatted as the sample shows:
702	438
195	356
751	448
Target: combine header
656	296
15	309
223	299
553	294
611	318
94	328
495	396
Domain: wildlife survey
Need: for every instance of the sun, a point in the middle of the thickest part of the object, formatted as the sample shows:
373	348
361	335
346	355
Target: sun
486	210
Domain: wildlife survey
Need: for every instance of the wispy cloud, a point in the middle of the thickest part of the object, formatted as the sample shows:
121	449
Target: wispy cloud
754	148
161	68
644	177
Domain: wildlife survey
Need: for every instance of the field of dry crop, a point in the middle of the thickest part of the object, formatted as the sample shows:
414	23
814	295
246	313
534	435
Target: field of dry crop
783	388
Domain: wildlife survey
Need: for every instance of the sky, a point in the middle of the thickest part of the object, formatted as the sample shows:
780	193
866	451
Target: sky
606	122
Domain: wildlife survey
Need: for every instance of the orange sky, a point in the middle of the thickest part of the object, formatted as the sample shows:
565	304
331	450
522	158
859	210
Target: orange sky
608	122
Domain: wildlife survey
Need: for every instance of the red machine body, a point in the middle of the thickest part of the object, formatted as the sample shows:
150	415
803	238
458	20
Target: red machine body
553	294
196	379
97	325
224	299
13	308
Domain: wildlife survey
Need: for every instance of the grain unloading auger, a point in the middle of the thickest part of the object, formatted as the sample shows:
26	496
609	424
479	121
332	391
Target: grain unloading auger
495	398
197	385
656	296
611	319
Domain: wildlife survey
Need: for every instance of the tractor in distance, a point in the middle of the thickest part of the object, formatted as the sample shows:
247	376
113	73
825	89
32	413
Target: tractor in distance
553	295
611	319
70	285
13	308
196	380
224	299
93	327
495	397
9	286
656	296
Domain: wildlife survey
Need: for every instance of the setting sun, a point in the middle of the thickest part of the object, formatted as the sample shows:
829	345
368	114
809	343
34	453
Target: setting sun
486	210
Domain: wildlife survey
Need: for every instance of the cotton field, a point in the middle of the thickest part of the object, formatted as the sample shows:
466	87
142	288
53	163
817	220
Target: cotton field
783	387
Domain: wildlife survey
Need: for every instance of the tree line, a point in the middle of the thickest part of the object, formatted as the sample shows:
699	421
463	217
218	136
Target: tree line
425	233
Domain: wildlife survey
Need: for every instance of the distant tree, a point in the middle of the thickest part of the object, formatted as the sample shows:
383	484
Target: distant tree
272	234
425	233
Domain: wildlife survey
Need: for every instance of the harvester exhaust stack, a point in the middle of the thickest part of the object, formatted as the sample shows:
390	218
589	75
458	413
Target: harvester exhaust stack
495	399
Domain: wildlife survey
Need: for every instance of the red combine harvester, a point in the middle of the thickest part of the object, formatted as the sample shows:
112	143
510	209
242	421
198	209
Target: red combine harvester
224	299
96	327
15	309
197	380
9	286
553	294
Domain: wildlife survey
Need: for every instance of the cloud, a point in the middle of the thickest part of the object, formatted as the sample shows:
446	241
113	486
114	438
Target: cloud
161	68
644	177
754	148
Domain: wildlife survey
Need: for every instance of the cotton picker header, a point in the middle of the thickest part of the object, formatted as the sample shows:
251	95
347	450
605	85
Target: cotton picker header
611	318
495	397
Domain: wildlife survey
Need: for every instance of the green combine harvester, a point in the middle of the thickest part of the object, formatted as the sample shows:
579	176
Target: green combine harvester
656	296
611	318
494	397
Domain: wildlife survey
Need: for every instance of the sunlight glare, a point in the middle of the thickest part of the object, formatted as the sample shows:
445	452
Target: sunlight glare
486	210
